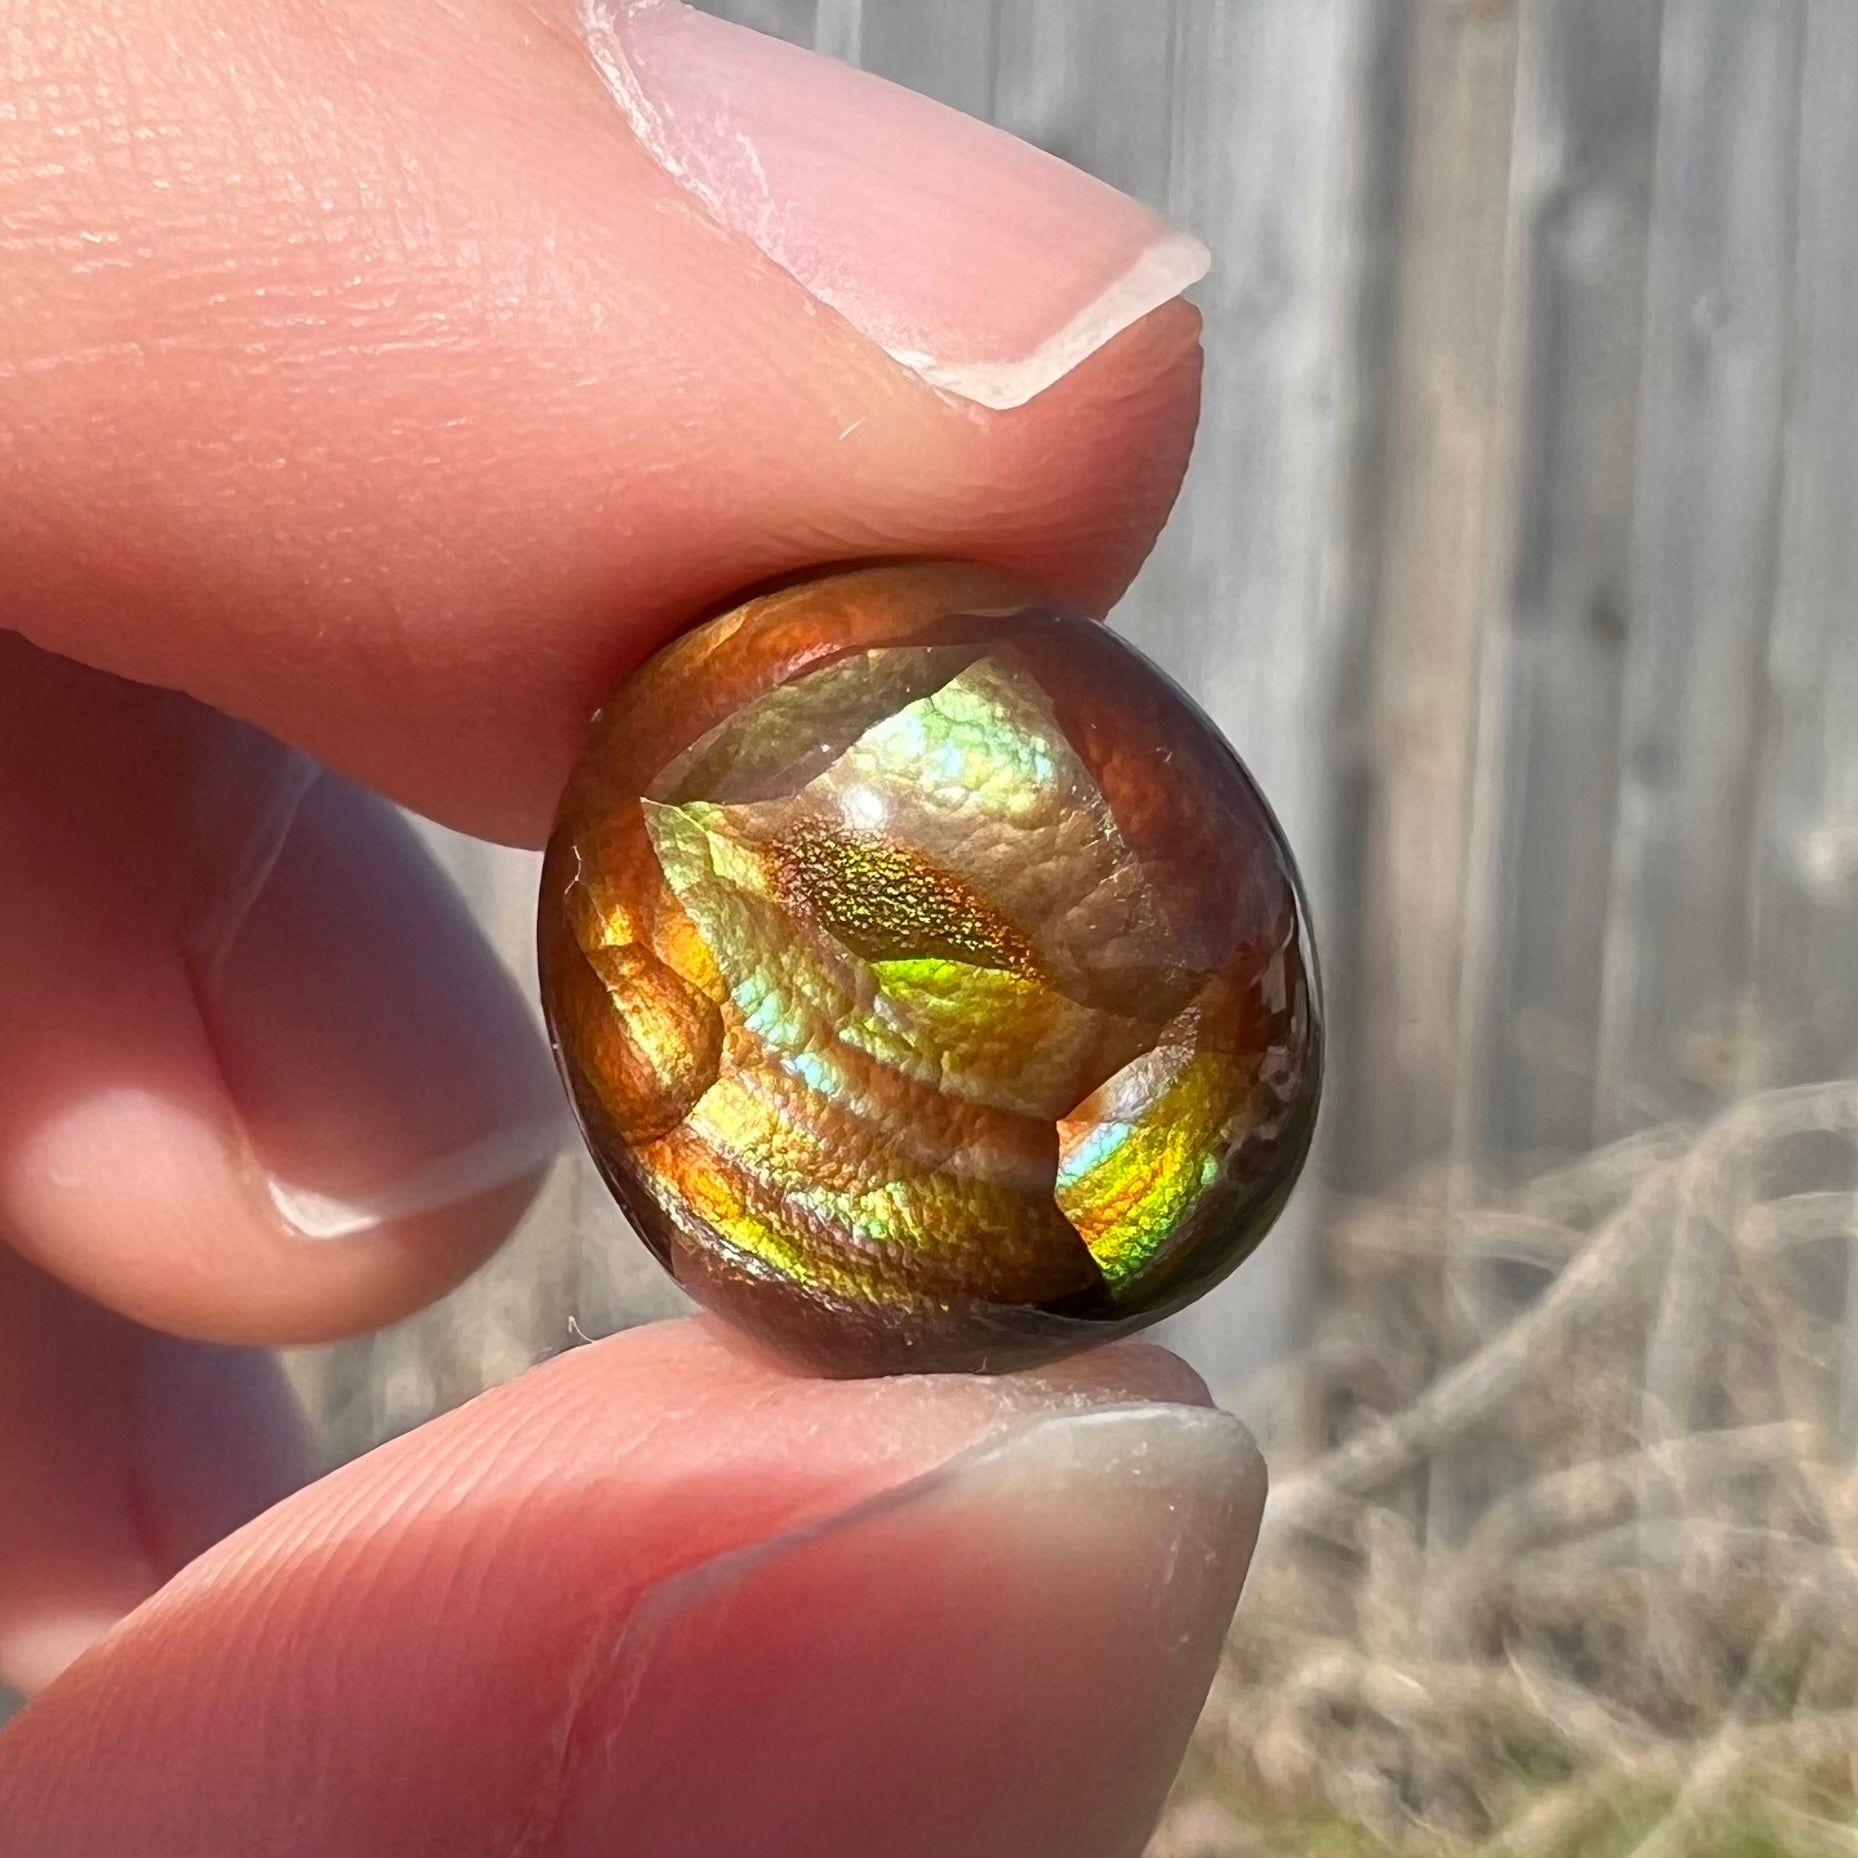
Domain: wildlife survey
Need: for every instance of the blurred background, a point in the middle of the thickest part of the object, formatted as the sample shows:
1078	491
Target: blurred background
1519	558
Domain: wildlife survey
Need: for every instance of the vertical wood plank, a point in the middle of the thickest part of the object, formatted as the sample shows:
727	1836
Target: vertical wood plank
1547	790
1718	322
945	50
1706	527
838	29
1442	490
1054	63
1436	511
1552	584
1805	877
1804	871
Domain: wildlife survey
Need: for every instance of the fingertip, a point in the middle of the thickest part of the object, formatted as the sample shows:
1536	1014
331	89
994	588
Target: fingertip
1085	476
548	1621
265	1080
1003	1656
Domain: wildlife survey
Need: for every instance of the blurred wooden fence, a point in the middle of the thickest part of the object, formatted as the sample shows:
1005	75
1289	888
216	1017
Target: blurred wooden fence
1519	558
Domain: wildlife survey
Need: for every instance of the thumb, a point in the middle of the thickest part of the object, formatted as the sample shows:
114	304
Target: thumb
657	1600
395	377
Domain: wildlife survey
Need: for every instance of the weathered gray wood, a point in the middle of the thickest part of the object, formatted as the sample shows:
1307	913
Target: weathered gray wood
1705	538
1431	510
1440	516
1051	62
1805	842
946	50
1547	788
1718	308
1804	866
1543	775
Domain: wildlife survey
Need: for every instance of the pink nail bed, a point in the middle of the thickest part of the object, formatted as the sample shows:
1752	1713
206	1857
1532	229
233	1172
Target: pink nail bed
981	263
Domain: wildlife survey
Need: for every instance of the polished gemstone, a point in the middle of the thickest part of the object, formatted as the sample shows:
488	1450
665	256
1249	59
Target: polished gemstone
931	981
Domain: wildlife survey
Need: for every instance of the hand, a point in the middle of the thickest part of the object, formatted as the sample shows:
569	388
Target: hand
365	378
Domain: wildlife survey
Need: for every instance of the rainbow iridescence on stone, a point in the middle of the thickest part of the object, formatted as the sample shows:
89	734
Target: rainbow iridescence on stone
931	981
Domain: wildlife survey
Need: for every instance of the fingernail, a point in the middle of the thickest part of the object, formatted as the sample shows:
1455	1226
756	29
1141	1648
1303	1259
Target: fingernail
1005	1656
984	264
380	1059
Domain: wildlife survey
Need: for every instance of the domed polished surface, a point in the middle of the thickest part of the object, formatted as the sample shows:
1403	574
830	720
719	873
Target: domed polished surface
930	979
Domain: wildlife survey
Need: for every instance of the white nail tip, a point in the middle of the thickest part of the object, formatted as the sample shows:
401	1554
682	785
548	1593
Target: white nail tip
1157	277
1184	1452
482	1166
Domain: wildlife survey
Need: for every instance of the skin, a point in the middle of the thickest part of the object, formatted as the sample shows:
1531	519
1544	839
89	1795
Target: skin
363	385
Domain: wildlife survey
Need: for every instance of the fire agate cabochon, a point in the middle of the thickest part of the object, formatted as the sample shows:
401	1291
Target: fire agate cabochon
931	981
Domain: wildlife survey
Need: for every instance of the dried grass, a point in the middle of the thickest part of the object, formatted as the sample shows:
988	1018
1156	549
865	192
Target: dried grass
1562	1559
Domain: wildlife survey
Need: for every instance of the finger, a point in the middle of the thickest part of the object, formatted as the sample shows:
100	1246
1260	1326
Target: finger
263	1080
658	1599
123	1454
363	374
